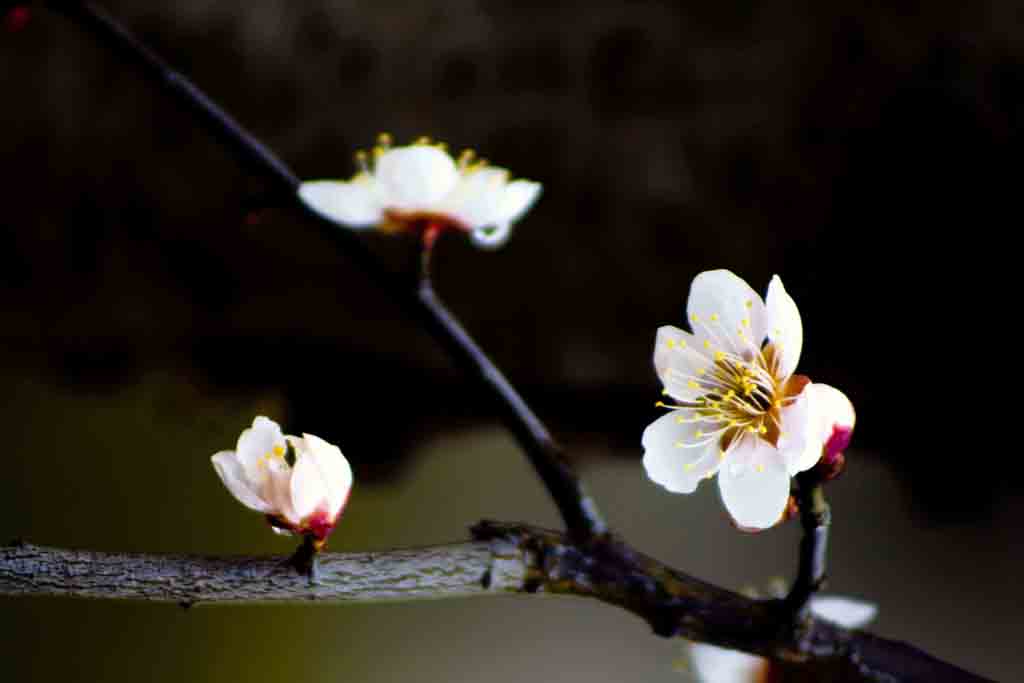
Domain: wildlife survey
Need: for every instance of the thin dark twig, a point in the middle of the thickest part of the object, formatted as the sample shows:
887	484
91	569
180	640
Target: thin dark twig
815	517
577	509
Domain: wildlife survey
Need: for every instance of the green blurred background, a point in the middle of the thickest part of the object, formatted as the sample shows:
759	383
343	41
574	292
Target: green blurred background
153	301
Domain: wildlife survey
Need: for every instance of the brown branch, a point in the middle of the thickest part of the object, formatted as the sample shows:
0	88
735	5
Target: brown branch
502	558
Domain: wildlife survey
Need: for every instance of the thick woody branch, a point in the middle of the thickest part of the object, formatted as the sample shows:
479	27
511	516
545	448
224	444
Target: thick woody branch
502	559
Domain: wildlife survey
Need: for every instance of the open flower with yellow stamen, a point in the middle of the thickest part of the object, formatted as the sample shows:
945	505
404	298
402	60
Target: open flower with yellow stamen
420	188
738	409
302	492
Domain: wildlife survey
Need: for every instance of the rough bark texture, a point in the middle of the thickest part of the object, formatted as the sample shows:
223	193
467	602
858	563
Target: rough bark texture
504	558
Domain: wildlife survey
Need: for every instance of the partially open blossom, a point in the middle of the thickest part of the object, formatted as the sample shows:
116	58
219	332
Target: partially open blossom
304	495
421	188
738	409
712	664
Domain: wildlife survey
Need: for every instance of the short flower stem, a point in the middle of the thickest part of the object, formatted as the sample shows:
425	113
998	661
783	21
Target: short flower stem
305	560
815	517
578	510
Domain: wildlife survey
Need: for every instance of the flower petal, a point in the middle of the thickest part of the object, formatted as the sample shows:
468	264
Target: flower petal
671	461
516	199
491	237
263	438
308	488
784	327
846	612
474	201
726	312
354	203
754	484
679	362
325	462
713	664
416	177
810	423
232	474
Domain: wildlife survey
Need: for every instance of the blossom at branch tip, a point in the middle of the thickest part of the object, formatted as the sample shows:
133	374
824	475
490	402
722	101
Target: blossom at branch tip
713	664
739	410
421	188
304	495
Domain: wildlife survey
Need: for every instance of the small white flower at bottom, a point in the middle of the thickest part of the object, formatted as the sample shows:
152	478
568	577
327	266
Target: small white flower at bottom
739	410
421	188
713	664
306	498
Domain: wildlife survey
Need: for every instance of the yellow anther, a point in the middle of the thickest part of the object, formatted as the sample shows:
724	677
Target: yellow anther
721	455
671	343
695	318
361	155
701	371
707	343
682	343
714	317
698	433
745	322
680	420
688	466
693	385
384	140
760	467
719	356
762	429
749	303
279	451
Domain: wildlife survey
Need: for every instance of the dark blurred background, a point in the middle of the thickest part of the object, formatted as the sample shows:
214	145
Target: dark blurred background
151	303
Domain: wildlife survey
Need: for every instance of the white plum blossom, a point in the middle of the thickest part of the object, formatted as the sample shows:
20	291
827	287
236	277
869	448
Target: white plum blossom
713	664
304	498
739	410
420	187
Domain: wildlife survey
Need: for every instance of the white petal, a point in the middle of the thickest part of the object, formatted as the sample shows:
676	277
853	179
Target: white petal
255	443
754	484
491	237
679	360
516	199
800	435
308	488
726	312
714	664
670	462
846	612
333	470
232	474
354	203
821	417
277	491
416	177
784	326
474	201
